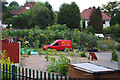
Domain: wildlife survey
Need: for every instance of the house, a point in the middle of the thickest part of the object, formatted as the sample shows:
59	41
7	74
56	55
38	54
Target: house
24	8
86	16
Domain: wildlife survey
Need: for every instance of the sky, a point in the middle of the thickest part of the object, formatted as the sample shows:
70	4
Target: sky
83	4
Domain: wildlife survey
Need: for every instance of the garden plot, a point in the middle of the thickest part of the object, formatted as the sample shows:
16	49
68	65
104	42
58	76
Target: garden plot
38	62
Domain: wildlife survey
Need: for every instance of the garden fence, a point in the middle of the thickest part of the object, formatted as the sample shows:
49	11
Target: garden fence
12	72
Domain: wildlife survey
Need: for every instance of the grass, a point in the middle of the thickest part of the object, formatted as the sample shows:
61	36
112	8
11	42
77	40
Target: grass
108	45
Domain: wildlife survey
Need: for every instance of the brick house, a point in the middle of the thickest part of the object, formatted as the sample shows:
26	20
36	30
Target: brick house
86	16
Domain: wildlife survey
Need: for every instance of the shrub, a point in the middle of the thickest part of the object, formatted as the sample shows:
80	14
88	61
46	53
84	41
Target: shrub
36	43
114	55
66	49
83	53
60	65
6	61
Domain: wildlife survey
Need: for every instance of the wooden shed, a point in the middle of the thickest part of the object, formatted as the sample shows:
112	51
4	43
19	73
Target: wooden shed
92	71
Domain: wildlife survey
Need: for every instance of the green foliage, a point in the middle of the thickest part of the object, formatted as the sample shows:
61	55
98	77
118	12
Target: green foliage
115	19
111	8
72	54
30	17
84	27
50	34
36	43
106	45
52	15
96	20
69	14
60	65
13	3
83	53
6	61
114	55
115	30
89	29
66	49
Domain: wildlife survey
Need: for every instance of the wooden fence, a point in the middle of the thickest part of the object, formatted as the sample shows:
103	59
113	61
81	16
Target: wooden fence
12	72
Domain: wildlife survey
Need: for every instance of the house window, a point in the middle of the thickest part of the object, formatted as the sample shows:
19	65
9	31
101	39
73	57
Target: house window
103	22
27	7
56	44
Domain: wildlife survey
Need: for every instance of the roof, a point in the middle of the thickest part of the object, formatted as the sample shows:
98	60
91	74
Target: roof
24	7
14	12
99	35
91	68
87	12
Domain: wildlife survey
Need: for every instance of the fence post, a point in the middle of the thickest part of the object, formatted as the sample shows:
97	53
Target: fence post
13	71
0	71
52	76
44	75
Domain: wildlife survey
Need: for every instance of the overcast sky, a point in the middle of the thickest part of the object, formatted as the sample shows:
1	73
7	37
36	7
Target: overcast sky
83	4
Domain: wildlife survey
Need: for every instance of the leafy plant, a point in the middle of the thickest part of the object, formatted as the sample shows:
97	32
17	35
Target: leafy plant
66	49
72	54
83	53
60	65
36	43
114	55
6	61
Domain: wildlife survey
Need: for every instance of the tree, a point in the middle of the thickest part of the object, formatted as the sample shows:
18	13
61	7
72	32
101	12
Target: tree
111	8
69	14
14	3
52	15
96	20
4	6
38	15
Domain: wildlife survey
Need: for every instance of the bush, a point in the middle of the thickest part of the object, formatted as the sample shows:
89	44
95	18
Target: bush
66	49
83	53
114	55
60	65
6	61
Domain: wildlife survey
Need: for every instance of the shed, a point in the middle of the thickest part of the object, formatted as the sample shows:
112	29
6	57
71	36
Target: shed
92	71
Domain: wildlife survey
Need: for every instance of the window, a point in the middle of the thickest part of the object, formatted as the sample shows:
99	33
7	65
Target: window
56	44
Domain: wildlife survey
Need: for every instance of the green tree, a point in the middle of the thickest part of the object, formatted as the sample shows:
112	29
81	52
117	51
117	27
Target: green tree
96	20
7	15
14	3
69	14
4	6
115	19
40	15
52	15
111	8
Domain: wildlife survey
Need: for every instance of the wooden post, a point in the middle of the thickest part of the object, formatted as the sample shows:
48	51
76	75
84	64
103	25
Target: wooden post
0	71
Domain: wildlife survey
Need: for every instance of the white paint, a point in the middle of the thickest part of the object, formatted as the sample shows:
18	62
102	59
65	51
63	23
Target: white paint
91	67
107	24
27	7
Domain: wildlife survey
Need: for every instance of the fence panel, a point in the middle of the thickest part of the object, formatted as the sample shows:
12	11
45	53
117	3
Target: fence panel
17	73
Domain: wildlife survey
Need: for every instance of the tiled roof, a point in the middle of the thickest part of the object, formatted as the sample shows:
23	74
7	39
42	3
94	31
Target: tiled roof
87	12
24	7
14	12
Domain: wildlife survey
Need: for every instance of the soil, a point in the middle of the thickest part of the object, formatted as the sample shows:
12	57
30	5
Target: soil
38	62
